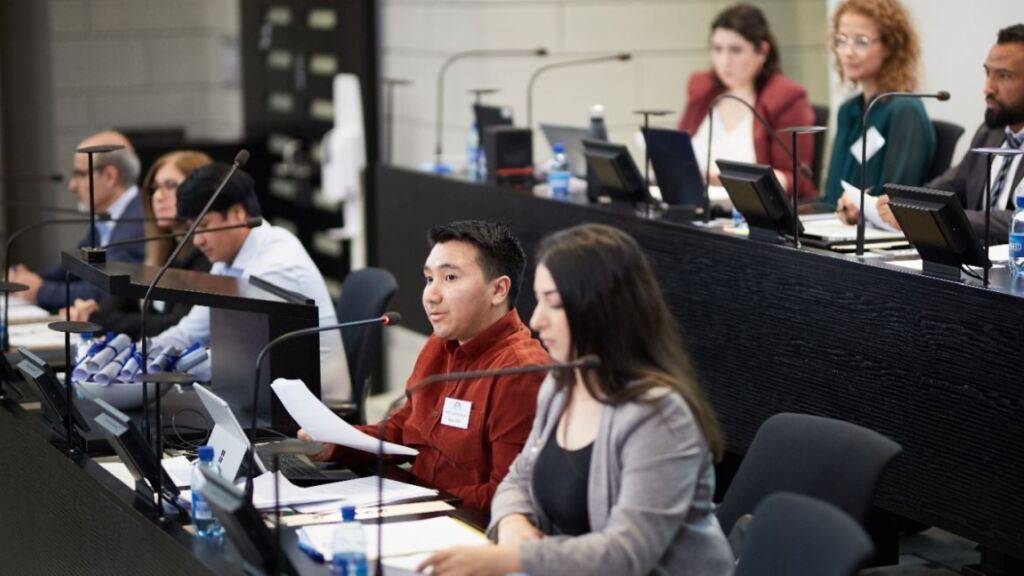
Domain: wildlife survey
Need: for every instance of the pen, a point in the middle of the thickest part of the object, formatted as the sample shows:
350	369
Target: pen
310	551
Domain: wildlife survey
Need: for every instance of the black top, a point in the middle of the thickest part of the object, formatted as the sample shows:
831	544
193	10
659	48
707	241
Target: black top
560	480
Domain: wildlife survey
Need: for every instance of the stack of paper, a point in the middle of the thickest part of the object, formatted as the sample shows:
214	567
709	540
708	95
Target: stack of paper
401	539
329	497
178	468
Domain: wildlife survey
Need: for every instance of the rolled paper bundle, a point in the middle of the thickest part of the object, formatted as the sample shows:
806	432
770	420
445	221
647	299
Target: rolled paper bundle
111	371
81	373
201	371
162	361
134	364
190	359
109	351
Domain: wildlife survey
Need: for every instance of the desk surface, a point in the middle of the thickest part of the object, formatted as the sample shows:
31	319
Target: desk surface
771	329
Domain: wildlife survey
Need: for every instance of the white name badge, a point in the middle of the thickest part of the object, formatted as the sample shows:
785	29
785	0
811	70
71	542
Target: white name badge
456	413
875	143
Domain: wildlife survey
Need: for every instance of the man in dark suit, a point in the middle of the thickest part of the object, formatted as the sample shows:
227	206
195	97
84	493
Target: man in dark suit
115	175
1003	127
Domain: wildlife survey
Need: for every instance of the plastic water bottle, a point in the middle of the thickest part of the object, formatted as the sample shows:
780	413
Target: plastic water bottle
738	221
348	546
1017	234
202	516
473	153
597	129
558	175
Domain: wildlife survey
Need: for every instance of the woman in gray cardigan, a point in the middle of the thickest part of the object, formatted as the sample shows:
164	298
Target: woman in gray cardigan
616	476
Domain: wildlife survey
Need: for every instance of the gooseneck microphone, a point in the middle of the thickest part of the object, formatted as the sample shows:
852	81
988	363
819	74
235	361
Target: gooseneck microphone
250	222
387	319
622	57
240	159
807	172
588	362
941	96
484	53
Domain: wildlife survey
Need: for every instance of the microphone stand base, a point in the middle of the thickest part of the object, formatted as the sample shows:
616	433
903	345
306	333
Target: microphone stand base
94	255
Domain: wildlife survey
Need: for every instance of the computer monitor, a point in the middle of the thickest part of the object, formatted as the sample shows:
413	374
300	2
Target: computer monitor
487	116
572	138
935	223
615	173
131	446
675	166
51	392
244	526
757	194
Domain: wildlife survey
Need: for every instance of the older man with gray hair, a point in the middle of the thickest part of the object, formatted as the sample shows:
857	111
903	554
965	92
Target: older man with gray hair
115	177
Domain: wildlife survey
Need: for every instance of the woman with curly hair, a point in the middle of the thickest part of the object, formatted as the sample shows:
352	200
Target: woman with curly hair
877	49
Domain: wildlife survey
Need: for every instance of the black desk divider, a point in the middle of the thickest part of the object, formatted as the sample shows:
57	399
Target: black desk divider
757	194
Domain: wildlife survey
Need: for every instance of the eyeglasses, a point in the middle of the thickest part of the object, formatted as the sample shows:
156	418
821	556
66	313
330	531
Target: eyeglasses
858	43
166	185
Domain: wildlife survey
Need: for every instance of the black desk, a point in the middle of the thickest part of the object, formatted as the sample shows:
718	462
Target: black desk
928	362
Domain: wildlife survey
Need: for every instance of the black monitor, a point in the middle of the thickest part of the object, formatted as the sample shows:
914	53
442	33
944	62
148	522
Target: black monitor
615	173
51	392
756	193
935	223
675	166
487	116
131	446
244	526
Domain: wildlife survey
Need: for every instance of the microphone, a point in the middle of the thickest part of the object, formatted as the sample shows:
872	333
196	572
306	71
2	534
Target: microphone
941	96
622	57
240	159
588	362
387	319
250	222
93	253
483	53
807	172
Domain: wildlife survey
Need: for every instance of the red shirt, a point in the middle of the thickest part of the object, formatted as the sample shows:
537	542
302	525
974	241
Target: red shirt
471	462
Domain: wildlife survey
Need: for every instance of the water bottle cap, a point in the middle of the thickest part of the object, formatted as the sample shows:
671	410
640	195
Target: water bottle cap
206	453
348	513
86	336
558	148
597	111
1019	199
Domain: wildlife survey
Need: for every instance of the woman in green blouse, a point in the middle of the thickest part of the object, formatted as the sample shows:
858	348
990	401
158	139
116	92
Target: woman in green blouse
877	50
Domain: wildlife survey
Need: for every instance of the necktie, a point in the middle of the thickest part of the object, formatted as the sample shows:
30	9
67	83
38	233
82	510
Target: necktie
1014	142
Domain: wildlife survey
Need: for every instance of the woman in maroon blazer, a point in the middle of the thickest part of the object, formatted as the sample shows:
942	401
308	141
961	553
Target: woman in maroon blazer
745	62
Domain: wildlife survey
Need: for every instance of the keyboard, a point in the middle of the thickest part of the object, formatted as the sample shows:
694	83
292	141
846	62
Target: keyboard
294	466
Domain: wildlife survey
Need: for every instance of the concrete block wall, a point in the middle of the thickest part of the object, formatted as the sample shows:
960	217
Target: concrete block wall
668	40
145	63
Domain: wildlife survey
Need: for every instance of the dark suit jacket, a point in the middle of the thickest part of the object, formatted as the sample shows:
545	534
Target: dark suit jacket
51	294
967	180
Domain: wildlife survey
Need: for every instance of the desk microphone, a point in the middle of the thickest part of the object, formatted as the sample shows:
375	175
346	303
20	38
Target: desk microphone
621	57
484	53
387	319
240	160
941	96
807	172
250	222
588	362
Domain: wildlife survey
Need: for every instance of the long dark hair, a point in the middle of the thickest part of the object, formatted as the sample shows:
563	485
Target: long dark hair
616	310
748	21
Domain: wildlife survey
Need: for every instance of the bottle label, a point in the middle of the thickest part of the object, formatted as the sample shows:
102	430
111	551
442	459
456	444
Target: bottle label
200	508
1016	246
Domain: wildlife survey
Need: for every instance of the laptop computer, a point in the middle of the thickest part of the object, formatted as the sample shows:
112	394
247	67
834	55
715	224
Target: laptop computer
572	138
675	166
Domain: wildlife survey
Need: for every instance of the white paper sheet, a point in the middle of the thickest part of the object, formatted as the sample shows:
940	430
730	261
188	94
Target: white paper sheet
322	425
362	492
178	468
871	214
401	538
38	336
998	254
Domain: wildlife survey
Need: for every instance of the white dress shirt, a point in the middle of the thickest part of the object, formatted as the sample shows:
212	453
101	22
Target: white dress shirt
275	255
736	144
1003	195
116	210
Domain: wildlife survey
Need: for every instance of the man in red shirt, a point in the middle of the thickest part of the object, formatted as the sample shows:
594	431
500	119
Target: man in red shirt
473	276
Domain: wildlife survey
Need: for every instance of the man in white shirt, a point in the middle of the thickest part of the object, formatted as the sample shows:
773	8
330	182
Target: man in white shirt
115	175
271	253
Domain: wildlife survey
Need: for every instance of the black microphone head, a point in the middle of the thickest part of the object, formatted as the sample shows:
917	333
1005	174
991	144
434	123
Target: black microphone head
589	361
625	56
253	222
541	52
392	318
242	157
942	95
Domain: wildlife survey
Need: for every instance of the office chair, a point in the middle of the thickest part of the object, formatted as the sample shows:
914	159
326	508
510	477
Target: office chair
831	460
947	135
792	534
820	119
365	293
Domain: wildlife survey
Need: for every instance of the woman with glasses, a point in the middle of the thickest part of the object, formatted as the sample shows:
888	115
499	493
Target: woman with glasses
617	474
745	63
159	200
876	49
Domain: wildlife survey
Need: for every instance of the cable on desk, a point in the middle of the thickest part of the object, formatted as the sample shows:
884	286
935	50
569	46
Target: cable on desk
190	445
970	272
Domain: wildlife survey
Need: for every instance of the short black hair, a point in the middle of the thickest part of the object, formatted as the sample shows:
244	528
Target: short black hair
196	190
1010	34
500	251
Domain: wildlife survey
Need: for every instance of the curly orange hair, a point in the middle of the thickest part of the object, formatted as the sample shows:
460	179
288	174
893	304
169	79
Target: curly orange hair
900	70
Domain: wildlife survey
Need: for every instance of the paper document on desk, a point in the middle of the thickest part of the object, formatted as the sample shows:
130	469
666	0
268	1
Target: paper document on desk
322	425
832	230
871	214
999	255
363	492
401	538
178	468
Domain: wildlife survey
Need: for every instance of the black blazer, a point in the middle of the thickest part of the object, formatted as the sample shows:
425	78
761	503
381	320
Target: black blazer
117	314
967	180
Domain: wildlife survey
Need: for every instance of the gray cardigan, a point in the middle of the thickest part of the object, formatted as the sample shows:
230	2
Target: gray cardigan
649	495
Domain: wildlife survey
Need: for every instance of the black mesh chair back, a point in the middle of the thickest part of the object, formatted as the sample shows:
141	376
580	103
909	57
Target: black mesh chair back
364	294
792	534
831	460
820	119
947	135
